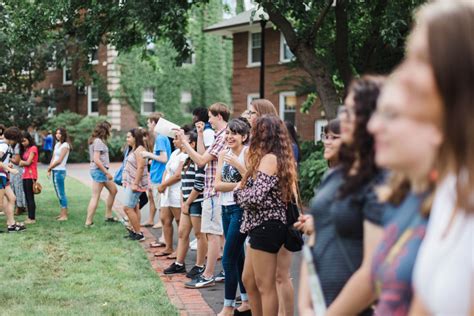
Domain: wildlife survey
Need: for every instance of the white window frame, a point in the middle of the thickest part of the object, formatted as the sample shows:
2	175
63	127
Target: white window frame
142	110
64	73
249	49
282	50
181	97
282	103
318	129
251	97
90	55
89	102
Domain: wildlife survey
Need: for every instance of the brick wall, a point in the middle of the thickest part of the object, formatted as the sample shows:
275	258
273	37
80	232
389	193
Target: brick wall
246	80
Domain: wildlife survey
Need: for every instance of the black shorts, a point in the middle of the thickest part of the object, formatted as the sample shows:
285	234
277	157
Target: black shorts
268	237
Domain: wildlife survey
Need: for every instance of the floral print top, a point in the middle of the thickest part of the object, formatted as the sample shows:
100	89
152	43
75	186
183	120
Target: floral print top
261	200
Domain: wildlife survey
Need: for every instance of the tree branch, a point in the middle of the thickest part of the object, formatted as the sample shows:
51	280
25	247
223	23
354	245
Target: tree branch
283	25
342	43
320	20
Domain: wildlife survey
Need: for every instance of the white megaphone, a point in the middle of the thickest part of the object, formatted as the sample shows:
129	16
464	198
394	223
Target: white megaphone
166	128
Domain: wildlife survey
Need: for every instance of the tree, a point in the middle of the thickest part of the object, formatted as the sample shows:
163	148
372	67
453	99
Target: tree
334	41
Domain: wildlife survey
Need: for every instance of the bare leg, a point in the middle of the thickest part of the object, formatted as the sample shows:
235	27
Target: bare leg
264	267
167	221
283	283
112	188
10	205
248	277
151	202
96	189
184	230
201	241
133	219
213	250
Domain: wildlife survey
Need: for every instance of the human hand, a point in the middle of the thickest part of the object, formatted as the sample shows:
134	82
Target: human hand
231	159
134	187
200	127
13	171
185	208
109	176
305	223
48	174
179	134
161	188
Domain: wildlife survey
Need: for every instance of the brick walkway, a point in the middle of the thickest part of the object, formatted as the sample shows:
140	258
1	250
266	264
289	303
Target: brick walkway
188	302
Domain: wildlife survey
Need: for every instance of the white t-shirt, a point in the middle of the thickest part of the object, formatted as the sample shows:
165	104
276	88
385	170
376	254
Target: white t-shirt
209	135
57	153
444	270
3	150
172	195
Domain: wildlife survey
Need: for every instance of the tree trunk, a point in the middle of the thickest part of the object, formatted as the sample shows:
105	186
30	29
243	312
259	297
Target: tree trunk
321	77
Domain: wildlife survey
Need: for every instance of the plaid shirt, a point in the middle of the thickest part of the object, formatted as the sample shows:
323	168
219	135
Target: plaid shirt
217	146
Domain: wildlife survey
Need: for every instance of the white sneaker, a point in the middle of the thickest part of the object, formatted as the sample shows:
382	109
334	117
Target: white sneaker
193	245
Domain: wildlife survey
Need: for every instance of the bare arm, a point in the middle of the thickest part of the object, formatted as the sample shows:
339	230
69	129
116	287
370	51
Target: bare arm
358	293
200	159
200	143
162	157
96	159
140	167
28	161
15	159
176	177
418	308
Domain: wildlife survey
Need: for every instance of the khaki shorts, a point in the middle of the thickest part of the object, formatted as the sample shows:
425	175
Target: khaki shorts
156	194
211	221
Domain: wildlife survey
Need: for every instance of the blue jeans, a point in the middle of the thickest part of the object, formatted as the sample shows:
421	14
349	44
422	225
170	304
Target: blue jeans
234	256
58	180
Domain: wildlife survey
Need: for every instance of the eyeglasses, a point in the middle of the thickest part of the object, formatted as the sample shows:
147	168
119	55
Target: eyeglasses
344	112
329	137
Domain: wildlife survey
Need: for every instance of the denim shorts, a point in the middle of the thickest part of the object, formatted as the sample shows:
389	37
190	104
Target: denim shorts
195	209
132	198
98	176
3	183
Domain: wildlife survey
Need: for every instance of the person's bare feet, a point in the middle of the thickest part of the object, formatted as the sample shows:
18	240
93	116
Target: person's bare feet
245	306
157	225
62	218
30	221
226	311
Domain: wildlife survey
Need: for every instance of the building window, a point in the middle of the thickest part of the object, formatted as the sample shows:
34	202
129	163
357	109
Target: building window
67	72
51	63
285	53
148	101
288	107
186	97
93	100
319	129
94	56
191	59
255	48
251	97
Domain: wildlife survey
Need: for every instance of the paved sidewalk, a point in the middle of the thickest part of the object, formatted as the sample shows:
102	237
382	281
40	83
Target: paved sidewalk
206	301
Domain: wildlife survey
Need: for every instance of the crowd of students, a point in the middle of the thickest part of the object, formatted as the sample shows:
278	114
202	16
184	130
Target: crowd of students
390	228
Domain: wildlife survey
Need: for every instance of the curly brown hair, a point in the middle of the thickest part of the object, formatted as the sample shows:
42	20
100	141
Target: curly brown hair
270	136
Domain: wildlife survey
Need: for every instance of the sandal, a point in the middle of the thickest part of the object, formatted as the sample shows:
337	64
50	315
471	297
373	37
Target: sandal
112	220
89	225
162	254
17	227
157	244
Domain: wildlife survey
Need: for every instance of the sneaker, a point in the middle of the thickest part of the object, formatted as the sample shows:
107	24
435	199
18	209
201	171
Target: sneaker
220	277
175	268
195	272
138	237
199	283
193	245
17	227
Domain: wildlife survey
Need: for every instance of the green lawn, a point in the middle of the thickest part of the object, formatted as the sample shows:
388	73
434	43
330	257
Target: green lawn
62	268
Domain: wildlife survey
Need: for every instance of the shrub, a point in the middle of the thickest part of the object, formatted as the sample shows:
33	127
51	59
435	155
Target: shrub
311	169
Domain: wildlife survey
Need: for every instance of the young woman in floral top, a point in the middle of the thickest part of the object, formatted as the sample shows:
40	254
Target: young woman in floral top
264	192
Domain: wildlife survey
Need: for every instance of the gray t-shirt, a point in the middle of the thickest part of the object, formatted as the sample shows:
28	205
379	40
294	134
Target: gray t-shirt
101	147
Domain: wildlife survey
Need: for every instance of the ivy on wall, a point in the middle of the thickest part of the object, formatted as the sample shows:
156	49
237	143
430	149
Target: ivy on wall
208	79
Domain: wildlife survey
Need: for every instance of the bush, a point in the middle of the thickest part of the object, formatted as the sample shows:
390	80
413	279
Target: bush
79	129
311	169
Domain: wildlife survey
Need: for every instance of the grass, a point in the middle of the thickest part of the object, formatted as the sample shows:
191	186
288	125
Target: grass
62	268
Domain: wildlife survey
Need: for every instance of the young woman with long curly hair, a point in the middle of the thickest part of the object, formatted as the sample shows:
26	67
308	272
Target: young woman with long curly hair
269	184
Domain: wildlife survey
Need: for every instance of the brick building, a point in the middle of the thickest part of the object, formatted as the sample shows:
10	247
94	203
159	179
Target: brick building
85	100
246	72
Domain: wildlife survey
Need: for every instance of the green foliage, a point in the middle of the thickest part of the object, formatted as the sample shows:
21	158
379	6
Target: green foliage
20	110
311	169
79	129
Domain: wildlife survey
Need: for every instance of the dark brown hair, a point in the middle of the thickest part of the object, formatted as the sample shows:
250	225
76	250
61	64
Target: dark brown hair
270	136
155	117
221	109
101	131
366	91
137	133
450	29
13	133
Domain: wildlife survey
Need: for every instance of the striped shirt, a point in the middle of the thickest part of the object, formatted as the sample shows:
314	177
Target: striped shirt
217	146
192	177
130	172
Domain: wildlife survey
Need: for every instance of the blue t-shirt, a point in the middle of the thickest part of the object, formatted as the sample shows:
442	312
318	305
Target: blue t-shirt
48	143
394	260
157	168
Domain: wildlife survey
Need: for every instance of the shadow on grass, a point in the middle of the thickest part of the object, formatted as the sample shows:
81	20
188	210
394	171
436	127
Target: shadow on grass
63	268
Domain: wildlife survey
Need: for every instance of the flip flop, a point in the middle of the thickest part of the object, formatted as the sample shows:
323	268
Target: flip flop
171	257
146	225
162	254
157	244
111	220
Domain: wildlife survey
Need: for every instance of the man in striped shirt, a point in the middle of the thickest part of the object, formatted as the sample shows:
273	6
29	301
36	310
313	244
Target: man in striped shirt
211	224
